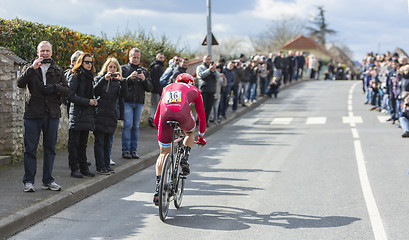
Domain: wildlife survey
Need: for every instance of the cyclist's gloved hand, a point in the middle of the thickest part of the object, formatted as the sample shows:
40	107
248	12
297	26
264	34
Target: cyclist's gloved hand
201	141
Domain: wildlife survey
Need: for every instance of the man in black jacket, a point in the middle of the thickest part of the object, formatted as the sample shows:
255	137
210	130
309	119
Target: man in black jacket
139	82
47	84
156	71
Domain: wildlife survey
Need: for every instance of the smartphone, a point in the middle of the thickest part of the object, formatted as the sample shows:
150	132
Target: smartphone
46	60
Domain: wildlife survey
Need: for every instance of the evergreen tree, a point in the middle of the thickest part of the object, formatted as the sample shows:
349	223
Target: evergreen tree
320	29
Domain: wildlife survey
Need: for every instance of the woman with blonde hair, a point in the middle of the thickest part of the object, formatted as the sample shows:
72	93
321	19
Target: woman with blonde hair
109	86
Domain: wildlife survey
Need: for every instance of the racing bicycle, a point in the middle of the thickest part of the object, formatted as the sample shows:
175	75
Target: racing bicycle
172	182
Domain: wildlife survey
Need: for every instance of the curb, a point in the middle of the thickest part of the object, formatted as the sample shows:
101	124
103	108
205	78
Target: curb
29	216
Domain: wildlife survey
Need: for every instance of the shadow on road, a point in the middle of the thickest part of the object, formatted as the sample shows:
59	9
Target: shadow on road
231	218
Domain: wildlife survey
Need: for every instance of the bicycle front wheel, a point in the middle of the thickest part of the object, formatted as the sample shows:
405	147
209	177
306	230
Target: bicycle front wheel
165	188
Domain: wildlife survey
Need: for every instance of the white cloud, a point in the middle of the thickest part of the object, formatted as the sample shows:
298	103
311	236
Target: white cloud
221	27
361	25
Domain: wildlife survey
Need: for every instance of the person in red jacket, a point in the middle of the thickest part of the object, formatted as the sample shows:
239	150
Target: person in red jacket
175	106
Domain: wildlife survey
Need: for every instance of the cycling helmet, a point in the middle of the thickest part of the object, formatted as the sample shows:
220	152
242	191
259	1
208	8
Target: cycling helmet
186	78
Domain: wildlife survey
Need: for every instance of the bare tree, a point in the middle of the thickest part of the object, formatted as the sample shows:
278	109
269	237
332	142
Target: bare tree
278	33
320	29
228	48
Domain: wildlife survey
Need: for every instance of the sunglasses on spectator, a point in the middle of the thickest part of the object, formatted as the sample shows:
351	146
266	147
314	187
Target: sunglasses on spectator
177	60
88	62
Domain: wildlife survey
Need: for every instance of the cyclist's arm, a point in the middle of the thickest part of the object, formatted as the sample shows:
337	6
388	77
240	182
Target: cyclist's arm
200	113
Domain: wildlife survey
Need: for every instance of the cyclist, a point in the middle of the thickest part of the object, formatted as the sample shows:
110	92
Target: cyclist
175	106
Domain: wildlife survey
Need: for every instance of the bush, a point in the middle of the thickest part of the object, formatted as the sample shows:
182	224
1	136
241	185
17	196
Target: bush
22	37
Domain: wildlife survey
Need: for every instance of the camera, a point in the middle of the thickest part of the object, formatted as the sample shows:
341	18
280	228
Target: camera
139	71
113	75
46	60
211	63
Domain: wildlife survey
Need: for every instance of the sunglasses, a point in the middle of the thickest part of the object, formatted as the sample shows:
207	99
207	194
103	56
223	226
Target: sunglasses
88	62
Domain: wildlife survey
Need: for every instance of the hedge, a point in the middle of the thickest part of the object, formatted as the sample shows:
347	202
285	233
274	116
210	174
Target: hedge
22	37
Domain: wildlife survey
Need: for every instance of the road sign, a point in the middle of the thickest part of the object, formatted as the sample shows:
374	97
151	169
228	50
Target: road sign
214	41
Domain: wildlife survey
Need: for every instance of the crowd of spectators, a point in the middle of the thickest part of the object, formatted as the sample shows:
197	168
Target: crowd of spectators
385	80
96	102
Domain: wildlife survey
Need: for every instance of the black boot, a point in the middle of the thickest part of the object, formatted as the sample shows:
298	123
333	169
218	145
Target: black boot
184	163
156	194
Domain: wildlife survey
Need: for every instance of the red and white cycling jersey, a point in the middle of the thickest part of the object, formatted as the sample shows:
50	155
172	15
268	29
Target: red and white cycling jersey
175	106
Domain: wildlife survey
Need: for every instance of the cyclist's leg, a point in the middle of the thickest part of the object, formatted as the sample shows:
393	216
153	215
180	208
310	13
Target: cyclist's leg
188	127
164	140
159	163
161	157
189	139
188	144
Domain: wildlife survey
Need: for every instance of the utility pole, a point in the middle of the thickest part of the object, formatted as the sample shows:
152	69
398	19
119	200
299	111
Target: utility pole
209	28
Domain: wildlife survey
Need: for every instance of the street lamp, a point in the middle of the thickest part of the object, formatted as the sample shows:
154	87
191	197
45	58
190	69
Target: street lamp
209	29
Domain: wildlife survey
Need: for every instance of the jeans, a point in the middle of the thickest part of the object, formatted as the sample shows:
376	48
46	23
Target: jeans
242	91
385	102
398	108
376	99
224	101
392	107
404	123
130	131
155	98
263	85
215	109
32	131
102	149
368	94
251	91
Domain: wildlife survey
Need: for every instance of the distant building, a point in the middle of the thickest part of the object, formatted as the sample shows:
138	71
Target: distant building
307	45
401	52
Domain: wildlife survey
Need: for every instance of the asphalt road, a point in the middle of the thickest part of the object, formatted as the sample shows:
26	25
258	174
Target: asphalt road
313	164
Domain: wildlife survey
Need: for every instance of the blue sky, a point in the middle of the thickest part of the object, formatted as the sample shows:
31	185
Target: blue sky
362	25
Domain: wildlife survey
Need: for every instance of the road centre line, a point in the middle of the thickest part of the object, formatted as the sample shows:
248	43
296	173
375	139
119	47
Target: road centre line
375	217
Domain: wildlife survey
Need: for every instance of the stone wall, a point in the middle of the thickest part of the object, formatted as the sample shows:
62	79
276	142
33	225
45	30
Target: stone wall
11	108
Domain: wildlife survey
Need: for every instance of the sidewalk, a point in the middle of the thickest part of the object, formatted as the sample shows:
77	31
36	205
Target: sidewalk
19	210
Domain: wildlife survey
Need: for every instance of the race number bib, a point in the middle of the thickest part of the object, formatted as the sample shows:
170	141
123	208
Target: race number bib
173	97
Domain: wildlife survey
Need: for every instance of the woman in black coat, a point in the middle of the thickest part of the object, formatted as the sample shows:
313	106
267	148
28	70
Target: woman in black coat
81	114
109	86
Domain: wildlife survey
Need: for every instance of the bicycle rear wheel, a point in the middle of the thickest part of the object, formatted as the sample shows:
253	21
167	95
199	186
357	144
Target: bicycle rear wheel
165	188
180	185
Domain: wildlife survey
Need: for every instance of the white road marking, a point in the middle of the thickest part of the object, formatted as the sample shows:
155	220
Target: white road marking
316	120
355	133
352	119
375	217
282	121
246	122
383	119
